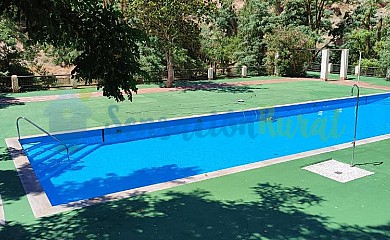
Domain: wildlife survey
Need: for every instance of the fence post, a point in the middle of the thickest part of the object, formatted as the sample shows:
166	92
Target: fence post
330	68
244	71
357	70
15	83
73	82
210	73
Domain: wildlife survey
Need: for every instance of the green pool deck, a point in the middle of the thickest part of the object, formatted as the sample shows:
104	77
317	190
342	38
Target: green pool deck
90	89
281	201
372	80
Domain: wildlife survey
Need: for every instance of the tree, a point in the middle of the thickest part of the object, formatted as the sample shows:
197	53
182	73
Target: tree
384	55
219	39
151	60
218	48
226	18
362	40
315	11
175	22
311	13
365	30
384	46
10	53
255	21
107	43
287	53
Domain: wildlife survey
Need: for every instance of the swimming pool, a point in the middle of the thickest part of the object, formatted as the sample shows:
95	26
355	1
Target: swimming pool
109	160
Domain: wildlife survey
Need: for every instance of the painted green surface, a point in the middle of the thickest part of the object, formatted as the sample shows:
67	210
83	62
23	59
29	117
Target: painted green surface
372	80
140	86
276	202
51	92
247	79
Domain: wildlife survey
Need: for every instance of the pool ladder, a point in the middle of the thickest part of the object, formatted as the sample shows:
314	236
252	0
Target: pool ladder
356	120
43	130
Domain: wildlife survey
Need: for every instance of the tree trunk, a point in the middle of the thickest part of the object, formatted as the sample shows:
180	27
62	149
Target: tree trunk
379	31
169	68
278	7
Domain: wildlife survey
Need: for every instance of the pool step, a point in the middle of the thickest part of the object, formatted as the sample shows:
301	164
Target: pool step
56	166
38	148
31	146
46	153
55	156
55	153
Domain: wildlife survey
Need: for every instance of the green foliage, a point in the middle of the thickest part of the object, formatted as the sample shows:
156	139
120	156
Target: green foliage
174	22
286	52
384	55
100	39
365	30
183	59
313	14
64	56
369	63
11	53
365	14
386	24
361	40
151	60
226	19
254	22
106	42
110	53
219	39
218	48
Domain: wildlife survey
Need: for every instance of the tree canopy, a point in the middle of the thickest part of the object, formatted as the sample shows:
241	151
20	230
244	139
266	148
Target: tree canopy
106	41
11	55
255	21
118	41
176	23
287	52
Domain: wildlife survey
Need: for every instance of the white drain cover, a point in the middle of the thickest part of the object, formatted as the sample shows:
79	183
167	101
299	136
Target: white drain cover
338	171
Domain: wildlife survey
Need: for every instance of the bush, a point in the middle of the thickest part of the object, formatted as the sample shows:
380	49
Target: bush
287	52
384	55
64	56
366	63
151	60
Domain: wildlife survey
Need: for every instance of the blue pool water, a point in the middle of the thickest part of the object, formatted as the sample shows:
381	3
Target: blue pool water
144	154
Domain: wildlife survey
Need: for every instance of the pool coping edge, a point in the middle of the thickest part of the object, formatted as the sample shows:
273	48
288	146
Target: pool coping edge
2	214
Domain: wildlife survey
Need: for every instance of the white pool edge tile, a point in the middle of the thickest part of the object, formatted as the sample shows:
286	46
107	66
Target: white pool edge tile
2	214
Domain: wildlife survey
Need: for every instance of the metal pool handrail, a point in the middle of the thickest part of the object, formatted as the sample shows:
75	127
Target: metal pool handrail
356	120
43	130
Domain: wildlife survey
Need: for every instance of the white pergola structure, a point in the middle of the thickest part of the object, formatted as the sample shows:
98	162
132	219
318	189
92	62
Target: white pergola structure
343	64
